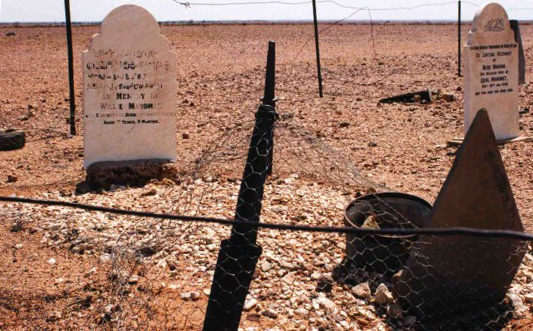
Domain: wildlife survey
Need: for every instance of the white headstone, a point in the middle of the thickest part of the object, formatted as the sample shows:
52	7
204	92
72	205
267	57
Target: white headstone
491	72
129	84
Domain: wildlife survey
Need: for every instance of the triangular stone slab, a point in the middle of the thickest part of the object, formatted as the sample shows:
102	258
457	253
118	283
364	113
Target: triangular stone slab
477	192
445	276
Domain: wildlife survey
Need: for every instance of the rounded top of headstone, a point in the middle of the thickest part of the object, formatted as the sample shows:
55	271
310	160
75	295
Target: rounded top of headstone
128	17
130	26
491	24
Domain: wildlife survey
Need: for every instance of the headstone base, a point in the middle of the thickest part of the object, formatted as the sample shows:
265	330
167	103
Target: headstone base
130	173
459	141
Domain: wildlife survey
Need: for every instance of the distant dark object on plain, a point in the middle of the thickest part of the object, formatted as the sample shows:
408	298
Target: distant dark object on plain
515	26
426	96
419	96
10	34
12	139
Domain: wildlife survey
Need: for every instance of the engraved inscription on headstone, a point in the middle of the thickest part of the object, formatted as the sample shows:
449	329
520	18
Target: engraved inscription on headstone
129	85
491	72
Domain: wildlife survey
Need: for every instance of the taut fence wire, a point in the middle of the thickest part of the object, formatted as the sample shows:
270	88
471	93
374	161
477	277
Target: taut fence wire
357	10
506	234
160	256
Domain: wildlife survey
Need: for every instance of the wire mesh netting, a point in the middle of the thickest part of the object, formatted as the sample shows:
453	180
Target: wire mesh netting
83	268
112	271
302	281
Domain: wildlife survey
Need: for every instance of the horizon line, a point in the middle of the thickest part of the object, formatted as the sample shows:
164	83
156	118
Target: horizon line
229	22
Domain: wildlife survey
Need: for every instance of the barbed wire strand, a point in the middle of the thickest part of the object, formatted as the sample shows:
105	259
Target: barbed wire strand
188	4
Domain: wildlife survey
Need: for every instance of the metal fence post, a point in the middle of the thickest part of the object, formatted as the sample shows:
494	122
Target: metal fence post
521	56
269	97
319	70
459	36
238	255
70	69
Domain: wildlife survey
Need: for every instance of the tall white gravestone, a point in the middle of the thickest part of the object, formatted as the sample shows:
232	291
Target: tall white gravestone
491	72
129	84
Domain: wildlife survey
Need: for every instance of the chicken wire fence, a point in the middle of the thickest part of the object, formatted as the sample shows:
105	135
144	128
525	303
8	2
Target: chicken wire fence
158	275
313	245
56	128
125	271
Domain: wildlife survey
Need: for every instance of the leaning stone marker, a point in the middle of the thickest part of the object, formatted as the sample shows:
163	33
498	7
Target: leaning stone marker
491	72
129	85
452	275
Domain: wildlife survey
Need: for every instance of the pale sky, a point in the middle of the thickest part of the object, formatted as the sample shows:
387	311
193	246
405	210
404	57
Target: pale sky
168	10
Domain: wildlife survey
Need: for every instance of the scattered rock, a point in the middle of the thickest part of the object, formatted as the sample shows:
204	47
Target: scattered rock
105	258
12	139
52	261
17	226
147	251
396	278
190	296
195	296
54	316
518	304
394	311
325	284
151	192
133	280
383	296
250	304
90	272
270	313
301	311
288	279
186	296
288	265
10	34
12	179
362	291
266	266
162	263
371	222
326	303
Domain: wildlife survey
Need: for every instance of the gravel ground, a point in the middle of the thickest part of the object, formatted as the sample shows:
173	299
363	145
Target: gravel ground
67	268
